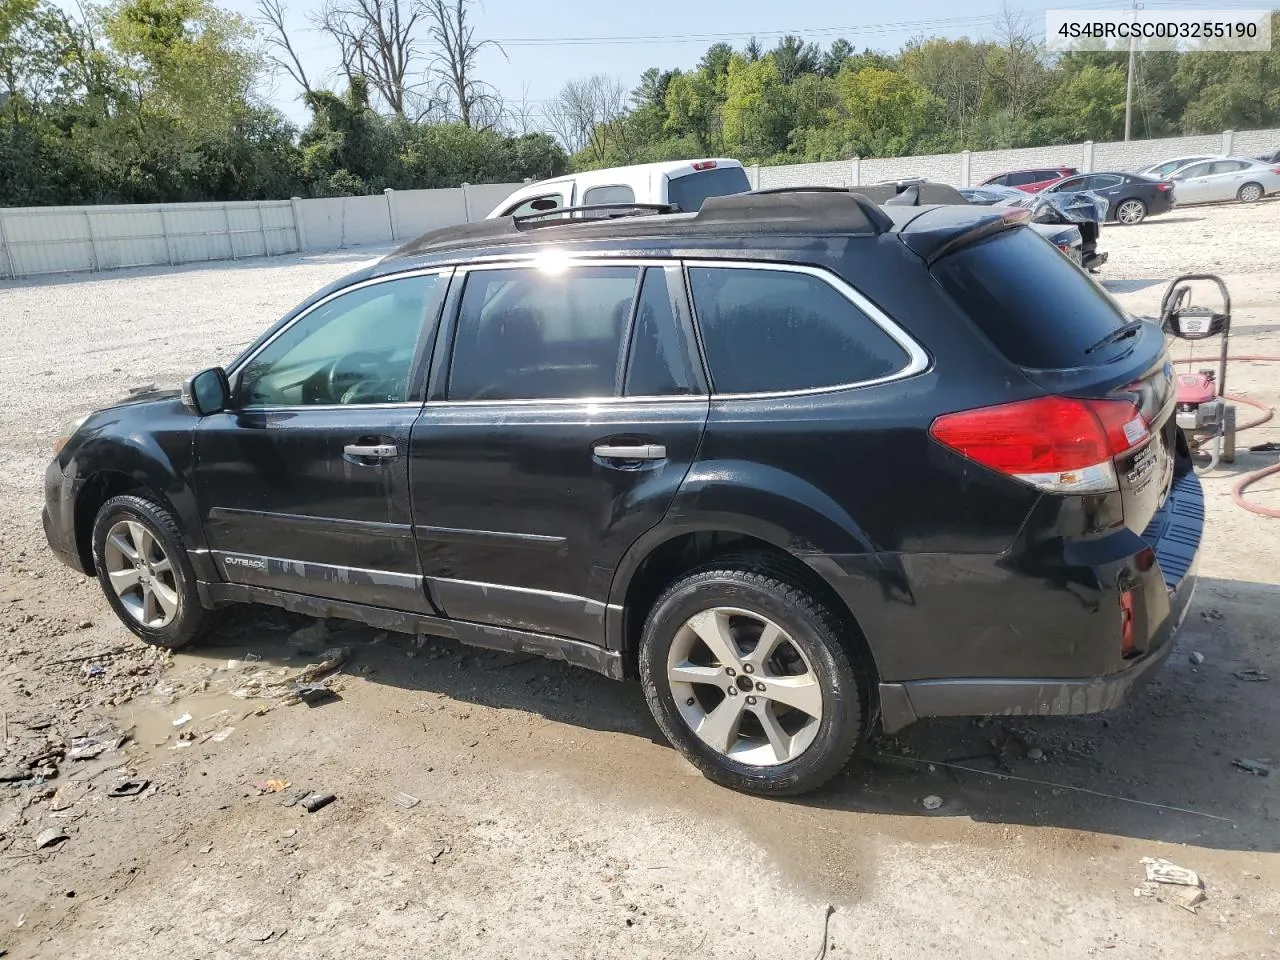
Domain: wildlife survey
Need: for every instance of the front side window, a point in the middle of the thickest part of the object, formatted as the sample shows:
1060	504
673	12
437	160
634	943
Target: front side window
773	330
534	205
357	348
531	334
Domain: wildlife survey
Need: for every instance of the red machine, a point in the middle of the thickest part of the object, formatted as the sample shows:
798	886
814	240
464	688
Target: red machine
1202	412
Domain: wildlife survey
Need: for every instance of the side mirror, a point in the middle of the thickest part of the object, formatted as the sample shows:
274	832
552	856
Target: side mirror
207	392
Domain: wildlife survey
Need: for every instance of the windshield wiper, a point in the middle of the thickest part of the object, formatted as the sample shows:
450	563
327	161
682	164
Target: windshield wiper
1120	333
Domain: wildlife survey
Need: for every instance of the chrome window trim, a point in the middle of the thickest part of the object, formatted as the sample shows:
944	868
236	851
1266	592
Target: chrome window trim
235	371
918	359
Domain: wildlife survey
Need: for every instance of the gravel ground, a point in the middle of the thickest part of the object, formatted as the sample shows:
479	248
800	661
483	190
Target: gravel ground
551	820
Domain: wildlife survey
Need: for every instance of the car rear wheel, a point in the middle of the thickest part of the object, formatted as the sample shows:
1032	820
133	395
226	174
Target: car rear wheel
1250	193
142	565
748	677
1131	211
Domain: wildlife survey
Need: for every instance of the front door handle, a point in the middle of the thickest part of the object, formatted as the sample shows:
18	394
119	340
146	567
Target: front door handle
641	451
372	451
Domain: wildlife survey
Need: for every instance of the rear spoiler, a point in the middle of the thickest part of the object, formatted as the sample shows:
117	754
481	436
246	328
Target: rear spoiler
943	229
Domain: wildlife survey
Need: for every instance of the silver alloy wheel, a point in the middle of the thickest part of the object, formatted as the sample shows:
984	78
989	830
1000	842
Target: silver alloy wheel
744	687
141	574
1250	193
1131	212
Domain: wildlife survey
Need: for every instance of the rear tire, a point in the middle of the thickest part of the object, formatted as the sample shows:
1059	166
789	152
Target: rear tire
142	565
1131	212
1250	193
774	722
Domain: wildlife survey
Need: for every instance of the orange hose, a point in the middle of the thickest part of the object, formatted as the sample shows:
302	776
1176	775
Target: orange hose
1237	492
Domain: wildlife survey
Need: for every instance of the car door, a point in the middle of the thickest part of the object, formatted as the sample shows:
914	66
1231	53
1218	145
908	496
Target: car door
1227	177
547	447
1109	186
1195	183
303	483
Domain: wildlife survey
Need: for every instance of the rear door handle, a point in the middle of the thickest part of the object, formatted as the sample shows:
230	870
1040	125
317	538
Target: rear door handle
642	451
374	451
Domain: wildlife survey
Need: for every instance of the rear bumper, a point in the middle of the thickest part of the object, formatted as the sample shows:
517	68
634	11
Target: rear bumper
1174	534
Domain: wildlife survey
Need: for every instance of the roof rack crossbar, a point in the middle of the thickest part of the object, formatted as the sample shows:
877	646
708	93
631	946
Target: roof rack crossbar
611	210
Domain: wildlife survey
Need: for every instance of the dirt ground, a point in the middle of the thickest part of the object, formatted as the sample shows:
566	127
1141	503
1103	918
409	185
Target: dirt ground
551	820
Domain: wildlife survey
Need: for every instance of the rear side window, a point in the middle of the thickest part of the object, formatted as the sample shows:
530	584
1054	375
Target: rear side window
615	194
660	364
529	334
771	330
689	191
1038	309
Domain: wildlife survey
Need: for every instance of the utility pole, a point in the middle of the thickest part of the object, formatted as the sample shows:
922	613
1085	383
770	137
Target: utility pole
1128	88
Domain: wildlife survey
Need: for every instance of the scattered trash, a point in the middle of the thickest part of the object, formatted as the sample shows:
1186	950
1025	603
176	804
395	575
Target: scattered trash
312	694
93	670
295	798
128	788
86	748
1160	870
290	833
274	684
252	657
272	786
260	936
1197	657
1035	753
1258	768
1211	614
932	802
48	838
1252	676
182	720
222	734
316	801
405	800
84	624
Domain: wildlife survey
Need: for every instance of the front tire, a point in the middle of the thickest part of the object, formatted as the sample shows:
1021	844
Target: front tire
748	677
1250	193
142	565
1131	212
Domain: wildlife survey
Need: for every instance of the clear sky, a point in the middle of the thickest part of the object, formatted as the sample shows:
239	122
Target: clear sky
549	43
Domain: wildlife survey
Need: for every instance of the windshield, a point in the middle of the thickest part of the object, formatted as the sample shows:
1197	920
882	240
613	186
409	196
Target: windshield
689	191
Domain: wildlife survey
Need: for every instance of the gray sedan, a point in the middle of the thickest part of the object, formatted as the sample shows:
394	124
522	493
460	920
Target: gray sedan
1226	178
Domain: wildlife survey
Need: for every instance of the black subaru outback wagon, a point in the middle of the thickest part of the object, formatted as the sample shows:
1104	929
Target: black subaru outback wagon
801	463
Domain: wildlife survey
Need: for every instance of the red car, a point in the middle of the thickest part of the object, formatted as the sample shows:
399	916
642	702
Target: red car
1031	180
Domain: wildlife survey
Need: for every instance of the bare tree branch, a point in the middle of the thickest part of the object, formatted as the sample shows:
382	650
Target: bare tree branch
457	50
280	47
375	40
590	115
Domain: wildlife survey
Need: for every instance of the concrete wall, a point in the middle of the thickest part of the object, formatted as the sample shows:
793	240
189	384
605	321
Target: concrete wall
966	169
46	240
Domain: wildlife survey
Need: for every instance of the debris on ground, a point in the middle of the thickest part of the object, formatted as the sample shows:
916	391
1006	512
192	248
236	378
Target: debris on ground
1196	657
317	801
1166	880
130	787
405	800
280	685
260	936
222	734
312	694
295	798
932	802
1210	614
102	740
1035	753
182	720
1252	676
1259	768
438	851
68	795
49	837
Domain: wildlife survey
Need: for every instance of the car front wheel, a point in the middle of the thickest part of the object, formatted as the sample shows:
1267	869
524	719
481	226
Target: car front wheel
1131	211
748	676
142	564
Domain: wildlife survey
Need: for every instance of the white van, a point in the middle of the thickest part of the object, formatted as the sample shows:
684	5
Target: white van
685	183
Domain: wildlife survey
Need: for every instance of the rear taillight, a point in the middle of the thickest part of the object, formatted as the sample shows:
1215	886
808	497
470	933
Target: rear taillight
1275	169
1057	444
1164	187
704	165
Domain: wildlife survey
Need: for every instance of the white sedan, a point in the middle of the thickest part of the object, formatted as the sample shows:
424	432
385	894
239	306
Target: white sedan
1225	178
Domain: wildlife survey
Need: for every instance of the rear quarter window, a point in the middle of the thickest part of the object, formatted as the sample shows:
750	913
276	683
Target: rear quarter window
1038	309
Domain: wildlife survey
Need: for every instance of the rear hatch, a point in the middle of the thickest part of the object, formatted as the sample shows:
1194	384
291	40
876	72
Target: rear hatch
1069	336
706	178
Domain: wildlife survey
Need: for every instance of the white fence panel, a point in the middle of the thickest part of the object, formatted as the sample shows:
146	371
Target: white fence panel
48	240
418	211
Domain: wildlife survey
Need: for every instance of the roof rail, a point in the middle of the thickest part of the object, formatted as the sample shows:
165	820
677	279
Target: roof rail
611	210
852	212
